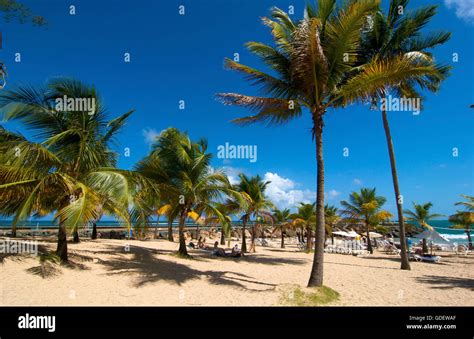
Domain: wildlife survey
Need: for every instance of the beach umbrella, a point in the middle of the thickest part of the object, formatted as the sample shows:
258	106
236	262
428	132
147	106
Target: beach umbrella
375	235
352	234
342	233
431	235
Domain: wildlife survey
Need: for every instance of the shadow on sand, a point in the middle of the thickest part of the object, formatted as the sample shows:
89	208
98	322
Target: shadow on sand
148	268
442	282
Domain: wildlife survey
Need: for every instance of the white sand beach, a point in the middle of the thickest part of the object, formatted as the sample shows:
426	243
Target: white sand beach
102	272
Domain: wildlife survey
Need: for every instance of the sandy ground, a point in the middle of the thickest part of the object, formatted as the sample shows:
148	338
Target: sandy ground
104	273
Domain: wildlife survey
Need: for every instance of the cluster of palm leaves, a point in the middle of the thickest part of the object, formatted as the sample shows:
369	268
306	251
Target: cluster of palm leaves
68	167
189	186
365	207
334	56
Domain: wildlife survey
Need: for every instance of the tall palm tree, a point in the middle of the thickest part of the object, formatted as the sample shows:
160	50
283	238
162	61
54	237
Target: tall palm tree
398	34
190	184
306	218
331	218
282	220
67	170
315	65
253	204
365	206
463	220
421	214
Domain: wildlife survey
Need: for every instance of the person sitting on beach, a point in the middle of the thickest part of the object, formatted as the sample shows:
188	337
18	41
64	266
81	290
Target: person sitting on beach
202	242
236	252
218	251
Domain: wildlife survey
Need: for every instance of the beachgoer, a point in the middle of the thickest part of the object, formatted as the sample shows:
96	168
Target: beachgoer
217	250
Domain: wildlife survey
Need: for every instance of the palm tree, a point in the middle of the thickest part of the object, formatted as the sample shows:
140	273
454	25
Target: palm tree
421	214
253	204
463	220
190	184
365	206
67	170
306	218
399	35
469	204
282	219
225	223
315	65
331	218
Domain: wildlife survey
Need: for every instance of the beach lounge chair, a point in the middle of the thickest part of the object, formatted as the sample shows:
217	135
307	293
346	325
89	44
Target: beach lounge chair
462	249
425	258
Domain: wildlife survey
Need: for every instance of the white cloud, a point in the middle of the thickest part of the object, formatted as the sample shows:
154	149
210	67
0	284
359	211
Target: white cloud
281	191
357	181
150	135
333	194
464	8
232	174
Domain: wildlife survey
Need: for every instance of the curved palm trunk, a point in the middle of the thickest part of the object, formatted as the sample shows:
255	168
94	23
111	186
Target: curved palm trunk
182	242
316	277
14	231
244	240
170	230
405	263
94	231
61	250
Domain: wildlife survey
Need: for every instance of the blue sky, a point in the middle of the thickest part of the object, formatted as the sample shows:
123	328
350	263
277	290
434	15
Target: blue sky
177	57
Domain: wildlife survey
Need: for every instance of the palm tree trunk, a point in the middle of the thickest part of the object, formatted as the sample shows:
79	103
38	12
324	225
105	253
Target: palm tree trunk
253	237
424	246
309	240
282	238
469	241
61	250
197	230
244	240
369	243
94	230
156	227
170	230
76	236
316	277
222	236
182	242
405	263
14	231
